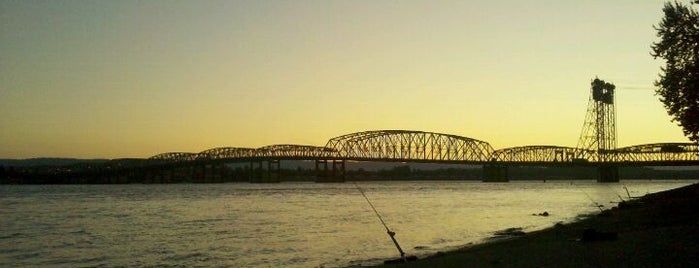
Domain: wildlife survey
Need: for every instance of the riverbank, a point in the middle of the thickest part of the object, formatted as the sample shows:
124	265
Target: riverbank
660	229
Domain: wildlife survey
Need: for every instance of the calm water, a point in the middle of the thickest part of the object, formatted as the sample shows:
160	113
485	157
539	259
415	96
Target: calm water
271	225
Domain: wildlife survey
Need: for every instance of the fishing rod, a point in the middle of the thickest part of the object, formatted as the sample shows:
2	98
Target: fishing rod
627	192
390	233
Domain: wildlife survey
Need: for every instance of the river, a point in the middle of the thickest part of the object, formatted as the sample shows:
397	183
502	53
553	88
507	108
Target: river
275	225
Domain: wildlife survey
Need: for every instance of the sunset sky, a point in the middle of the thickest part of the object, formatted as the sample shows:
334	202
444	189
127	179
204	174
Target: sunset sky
112	79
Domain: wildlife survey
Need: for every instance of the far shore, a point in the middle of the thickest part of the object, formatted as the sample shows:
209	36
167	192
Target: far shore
656	230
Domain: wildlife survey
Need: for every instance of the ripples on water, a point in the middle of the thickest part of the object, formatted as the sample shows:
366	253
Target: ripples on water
286	224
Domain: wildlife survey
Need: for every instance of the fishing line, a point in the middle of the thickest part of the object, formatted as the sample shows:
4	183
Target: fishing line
589	197
390	233
636	88
635	85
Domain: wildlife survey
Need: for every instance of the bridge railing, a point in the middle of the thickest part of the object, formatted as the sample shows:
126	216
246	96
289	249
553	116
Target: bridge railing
174	157
226	153
659	152
294	151
541	154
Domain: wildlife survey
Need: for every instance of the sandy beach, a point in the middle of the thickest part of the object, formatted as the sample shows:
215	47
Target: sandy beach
656	230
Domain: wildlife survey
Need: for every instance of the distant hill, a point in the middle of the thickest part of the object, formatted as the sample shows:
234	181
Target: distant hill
47	161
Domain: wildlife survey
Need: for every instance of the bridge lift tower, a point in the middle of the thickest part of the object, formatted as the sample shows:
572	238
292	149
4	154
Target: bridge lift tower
598	136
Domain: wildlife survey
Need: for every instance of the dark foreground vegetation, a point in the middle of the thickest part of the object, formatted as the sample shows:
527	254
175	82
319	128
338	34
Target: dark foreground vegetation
657	230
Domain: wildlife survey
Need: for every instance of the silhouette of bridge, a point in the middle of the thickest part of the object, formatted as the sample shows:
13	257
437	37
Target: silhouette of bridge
430	147
596	147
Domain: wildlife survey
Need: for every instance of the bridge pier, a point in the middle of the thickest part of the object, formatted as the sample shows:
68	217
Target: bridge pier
216	173
203	174
149	176
608	173
495	173
260	175
167	175
337	174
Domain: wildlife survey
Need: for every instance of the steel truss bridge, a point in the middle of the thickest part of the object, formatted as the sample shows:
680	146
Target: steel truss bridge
431	147
597	146
427	147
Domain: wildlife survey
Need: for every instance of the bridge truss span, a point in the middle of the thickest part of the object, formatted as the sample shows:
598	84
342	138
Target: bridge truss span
539	154
659	152
419	146
174	157
293	151
406	145
288	151
226	153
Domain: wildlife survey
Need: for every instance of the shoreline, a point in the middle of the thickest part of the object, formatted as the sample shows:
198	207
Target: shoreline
655	230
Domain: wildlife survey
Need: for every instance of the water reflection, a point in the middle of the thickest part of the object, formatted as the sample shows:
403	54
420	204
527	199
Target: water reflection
287	224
